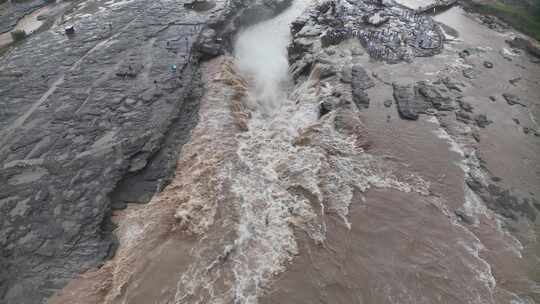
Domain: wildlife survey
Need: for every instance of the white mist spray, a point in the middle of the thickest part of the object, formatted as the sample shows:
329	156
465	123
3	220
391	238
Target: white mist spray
261	51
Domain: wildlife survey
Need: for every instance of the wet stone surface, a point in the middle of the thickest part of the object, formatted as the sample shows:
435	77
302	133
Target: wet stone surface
423	98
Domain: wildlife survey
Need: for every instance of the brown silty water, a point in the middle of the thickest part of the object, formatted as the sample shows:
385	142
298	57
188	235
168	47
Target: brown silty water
273	204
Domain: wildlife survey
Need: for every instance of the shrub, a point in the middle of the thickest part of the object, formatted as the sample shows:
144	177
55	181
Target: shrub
18	35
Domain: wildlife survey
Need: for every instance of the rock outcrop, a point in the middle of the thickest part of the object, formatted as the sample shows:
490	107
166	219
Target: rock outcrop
360	82
417	99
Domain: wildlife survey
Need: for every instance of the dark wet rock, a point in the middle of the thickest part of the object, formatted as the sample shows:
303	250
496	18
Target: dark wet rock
328	105
330	51
436	7
434	96
526	45
348	123
470	73
502	200
360	78
360	82
464	54
70	30
514	81
496	179
298	48
208	45
516	121
493	22
512	99
464	217
301	67
200	5
327	70
526	130
388	103
482	121
360	98
465	106
406	101
129	69
452	84
256	11
310	31
488	64
476	136
346	74
448	30
423	98
493	98
463	116
527	209
298	24
474	183
536	204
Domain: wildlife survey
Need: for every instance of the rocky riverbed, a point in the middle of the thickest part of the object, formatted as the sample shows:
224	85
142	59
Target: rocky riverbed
341	152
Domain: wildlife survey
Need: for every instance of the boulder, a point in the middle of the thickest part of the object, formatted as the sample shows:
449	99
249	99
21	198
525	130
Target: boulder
482	121
464	217
360	82
407	103
512	99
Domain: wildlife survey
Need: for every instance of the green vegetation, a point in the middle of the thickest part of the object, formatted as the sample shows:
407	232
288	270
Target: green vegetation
3	50
524	20
18	35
